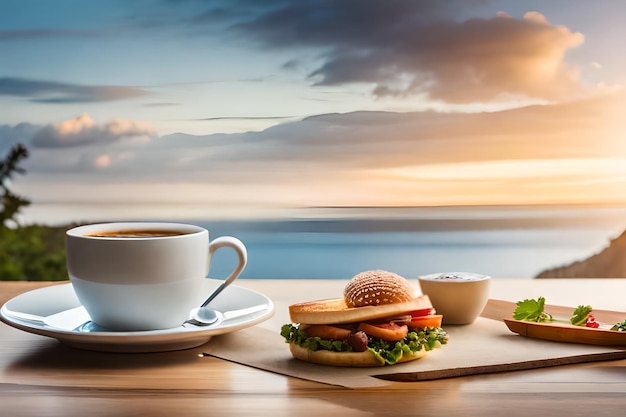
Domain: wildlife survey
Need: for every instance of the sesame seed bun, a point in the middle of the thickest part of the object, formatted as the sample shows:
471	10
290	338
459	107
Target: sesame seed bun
373	288
369	295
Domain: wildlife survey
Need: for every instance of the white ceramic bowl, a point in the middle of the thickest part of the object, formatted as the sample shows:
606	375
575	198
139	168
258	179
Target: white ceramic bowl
459	296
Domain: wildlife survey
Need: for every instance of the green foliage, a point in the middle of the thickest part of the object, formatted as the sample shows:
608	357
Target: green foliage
532	310
11	204
27	253
390	353
619	327
580	315
32	253
291	333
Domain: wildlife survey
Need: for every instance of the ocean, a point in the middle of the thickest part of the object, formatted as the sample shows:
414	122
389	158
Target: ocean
337	243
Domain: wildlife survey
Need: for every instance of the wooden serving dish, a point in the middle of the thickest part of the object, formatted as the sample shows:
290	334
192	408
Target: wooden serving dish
563	332
559	331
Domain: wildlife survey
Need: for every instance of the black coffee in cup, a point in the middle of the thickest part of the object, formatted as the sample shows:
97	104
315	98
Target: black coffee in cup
138	233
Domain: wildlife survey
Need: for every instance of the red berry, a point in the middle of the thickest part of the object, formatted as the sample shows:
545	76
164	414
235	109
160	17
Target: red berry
591	322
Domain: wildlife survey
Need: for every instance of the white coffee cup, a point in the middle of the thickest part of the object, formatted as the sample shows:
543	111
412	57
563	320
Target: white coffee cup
135	276
459	296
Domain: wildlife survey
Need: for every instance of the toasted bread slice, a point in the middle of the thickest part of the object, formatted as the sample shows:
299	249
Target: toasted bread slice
336	311
349	359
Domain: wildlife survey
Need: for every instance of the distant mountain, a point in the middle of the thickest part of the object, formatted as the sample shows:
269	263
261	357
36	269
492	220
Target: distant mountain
609	263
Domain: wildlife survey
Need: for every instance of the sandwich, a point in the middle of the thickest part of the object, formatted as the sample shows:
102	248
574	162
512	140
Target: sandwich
379	321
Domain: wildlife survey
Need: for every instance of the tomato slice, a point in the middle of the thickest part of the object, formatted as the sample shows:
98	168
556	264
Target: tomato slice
404	318
327	332
391	332
422	312
433	320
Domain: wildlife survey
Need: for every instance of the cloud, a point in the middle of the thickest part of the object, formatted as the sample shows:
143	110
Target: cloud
359	157
335	146
541	154
162	104
399	48
11	135
103	161
417	48
83	130
246	118
56	92
364	141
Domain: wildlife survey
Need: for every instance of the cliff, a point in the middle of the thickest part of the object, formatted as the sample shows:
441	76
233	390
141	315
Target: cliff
609	263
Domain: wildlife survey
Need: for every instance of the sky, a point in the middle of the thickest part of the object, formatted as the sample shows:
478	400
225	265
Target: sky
163	108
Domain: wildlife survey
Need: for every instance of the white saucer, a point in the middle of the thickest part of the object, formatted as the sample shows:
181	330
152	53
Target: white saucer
58	298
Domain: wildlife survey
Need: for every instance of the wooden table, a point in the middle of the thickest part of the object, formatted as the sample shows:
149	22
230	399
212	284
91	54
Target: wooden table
41	377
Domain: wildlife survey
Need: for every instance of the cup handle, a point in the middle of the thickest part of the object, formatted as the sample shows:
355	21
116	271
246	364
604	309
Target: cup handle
238	246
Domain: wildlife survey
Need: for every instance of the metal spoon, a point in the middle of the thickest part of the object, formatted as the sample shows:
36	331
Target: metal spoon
204	316
207	316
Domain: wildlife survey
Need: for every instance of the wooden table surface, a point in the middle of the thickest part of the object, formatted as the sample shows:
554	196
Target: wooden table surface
41	377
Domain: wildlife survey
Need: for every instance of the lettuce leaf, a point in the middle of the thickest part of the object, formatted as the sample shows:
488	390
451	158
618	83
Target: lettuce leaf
291	333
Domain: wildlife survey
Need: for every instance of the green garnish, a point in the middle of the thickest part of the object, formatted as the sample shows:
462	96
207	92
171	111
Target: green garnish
580	315
388	353
532	310
619	327
292	334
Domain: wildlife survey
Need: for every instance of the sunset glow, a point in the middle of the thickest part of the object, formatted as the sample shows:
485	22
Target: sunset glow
566	181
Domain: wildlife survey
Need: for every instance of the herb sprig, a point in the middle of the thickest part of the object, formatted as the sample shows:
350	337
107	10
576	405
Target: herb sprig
580	315
534	310
619	327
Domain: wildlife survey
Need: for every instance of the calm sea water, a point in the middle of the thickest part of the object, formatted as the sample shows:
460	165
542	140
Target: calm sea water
516	244
337	243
